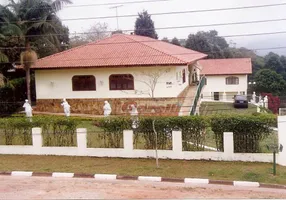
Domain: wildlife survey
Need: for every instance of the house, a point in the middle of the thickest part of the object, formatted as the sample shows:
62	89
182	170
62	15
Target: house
156	76
123	69
225	78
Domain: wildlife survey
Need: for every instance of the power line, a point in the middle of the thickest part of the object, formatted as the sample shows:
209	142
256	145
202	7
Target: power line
181	27
117	3
225	36
165	13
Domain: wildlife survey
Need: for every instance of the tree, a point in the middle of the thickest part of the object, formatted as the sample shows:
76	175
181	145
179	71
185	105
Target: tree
273	61
144	25
96	32
165	39
175	41
28	18
268	81
151	79
207	42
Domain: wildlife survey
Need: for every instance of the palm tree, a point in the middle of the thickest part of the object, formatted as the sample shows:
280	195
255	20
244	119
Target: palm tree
28	18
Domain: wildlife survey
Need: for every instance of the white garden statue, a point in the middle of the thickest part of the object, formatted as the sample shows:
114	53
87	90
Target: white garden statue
266	102
253	97
67	107
134	114
107	109
28	109
134	111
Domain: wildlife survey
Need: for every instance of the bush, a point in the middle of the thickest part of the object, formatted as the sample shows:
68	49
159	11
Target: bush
18	129
56	131
192	127
248	130
113	128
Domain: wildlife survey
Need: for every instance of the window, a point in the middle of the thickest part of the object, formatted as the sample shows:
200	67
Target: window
184	75
232	80
83	83
121	82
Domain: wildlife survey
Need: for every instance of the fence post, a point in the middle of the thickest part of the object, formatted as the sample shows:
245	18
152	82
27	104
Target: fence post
128	140
81	139
228	145
177	141
37	137
282	139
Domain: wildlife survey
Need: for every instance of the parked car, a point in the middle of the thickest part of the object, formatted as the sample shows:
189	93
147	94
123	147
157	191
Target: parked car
240	101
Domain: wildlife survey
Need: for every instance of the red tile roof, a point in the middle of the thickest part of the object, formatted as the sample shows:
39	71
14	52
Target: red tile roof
121	50
226	66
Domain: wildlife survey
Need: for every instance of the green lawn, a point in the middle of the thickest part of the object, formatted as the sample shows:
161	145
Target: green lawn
260	172
211	108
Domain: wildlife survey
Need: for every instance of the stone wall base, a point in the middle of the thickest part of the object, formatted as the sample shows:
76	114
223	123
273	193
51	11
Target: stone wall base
120	106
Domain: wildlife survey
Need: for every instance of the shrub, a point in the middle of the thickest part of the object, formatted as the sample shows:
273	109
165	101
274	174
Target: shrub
56	131
192	127
248	130
113	128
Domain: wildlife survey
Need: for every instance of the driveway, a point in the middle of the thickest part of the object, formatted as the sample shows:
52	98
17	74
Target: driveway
76	188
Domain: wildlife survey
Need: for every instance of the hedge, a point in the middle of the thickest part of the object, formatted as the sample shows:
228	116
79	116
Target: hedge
56	131
248	130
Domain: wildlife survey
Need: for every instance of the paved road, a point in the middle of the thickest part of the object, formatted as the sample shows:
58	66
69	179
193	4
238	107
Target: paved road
73	188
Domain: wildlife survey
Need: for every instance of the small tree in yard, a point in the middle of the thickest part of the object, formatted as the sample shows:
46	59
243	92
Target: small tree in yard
151	80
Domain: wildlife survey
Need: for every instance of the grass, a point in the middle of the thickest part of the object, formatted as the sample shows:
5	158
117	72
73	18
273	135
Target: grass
211	108
271	139
260	172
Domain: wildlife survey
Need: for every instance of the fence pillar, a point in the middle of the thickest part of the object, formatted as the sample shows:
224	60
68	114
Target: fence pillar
128	140
81	139
37	137
228	145
177	141
282	139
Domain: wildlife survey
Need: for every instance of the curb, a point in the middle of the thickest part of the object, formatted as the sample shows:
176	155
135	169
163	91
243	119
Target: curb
142	178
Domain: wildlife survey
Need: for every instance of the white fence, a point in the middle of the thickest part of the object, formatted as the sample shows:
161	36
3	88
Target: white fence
129	152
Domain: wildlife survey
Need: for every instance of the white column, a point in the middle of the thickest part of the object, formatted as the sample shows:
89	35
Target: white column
37	137
282	139
128	140
81	139
228	145
177	141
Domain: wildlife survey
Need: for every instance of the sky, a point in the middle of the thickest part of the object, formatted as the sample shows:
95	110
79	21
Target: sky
189	19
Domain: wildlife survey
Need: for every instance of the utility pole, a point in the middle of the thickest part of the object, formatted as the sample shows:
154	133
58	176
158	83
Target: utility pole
116	8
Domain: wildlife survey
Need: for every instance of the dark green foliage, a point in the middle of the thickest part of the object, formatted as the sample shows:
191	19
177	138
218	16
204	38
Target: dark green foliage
175	41
248	130
207	42
268	81
144	25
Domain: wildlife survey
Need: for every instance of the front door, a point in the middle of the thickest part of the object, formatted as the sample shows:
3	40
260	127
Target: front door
216	96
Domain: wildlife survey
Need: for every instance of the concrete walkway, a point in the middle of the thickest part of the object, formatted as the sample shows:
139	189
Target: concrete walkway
188	102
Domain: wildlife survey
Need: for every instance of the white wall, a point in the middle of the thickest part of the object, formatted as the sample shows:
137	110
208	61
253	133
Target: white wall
218	84
57	84
128	152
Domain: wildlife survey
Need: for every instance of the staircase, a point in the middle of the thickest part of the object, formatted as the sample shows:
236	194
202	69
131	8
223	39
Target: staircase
192	98
189	99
